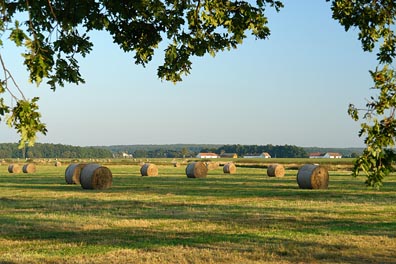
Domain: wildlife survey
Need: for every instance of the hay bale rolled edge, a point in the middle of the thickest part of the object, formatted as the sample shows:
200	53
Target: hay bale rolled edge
312	176
58	164
229	168
149	169
14	168
73	172
94	176
276	170
29	168
196	170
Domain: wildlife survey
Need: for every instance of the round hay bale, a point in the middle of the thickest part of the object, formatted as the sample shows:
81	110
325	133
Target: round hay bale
276	170
14	168
212	165
229	168
73	172
176	164
94	176
29	168
149	169
312	176
58	164
196	170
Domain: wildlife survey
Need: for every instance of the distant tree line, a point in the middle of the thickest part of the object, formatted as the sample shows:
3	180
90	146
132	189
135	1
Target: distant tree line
161	153
190	151
285	151
158	150
346	152
10	150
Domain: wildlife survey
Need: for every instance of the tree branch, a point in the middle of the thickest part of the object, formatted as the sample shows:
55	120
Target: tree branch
7	76
51	9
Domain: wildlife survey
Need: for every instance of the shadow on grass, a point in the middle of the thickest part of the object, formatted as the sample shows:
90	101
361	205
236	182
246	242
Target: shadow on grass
268	214
220	186
196	202
151	238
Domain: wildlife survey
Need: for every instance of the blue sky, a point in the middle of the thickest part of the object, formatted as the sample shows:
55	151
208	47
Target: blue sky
293	88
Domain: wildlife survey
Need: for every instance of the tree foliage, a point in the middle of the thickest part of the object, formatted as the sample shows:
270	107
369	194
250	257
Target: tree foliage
191	151
375	20
10	150
285	151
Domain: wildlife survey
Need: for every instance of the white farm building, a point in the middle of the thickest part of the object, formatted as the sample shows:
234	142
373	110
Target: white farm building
209	155
127	155
327	155
264	155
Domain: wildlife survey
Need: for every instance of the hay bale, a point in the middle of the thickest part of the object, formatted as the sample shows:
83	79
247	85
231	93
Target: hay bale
196	170
229	168
212	165
276	170
312	176
58	164
149	169
29	168
73	172
94	176
14	168
176	164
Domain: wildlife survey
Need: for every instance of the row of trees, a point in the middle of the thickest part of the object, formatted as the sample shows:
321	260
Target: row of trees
164	153
159	149
286	151
11	150
191	151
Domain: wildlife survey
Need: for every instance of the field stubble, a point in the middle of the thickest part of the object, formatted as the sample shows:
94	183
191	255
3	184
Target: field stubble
245	217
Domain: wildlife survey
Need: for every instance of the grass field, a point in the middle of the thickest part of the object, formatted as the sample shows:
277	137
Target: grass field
246	217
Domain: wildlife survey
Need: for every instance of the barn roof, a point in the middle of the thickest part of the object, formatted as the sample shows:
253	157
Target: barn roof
208	154
316	154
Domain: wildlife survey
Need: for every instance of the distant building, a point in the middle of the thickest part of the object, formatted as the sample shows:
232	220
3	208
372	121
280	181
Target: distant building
126	155
209	155
327	155
264	155
315	155
333	155
229	155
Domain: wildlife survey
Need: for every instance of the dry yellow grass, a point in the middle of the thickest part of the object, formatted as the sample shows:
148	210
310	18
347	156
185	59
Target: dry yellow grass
244	218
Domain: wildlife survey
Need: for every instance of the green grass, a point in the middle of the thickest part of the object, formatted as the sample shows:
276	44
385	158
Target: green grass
246	217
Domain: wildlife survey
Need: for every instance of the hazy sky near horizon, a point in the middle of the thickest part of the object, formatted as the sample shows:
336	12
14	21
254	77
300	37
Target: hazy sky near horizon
293	88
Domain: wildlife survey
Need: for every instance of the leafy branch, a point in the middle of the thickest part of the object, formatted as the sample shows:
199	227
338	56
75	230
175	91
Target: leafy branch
379	129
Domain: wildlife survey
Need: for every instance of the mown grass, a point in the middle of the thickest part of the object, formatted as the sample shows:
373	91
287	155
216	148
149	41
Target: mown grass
246	217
